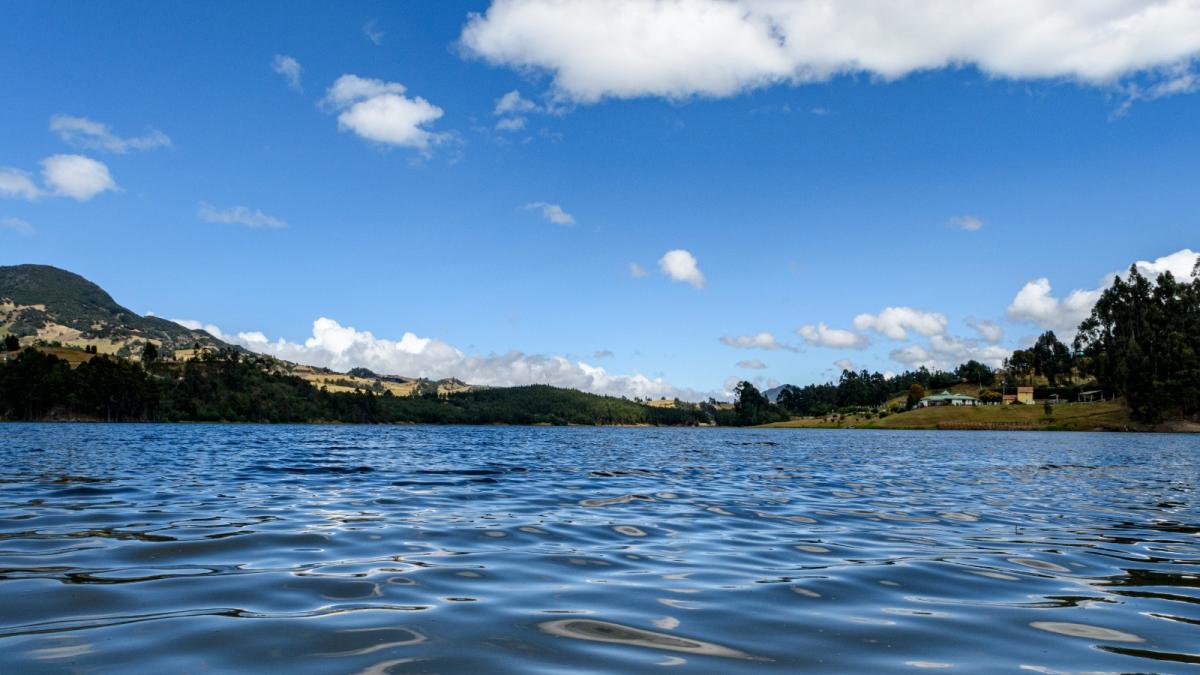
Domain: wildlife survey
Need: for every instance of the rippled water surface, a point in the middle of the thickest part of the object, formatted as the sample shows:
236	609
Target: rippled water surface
447	549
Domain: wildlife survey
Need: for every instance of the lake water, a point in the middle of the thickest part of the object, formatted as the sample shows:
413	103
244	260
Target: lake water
296	549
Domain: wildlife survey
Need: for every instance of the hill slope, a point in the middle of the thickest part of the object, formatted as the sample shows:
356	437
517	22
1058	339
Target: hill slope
47	303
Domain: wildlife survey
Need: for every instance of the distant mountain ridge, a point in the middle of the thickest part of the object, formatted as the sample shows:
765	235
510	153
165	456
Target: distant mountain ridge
54	305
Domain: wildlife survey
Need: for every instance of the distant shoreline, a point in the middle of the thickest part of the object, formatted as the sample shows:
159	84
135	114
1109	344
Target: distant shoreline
1110	416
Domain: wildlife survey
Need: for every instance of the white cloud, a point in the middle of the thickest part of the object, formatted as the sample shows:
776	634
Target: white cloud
763	340
552	212
895	322
636	271
968	223
945	352
834	338
845	364
209	328
76	176
21	227
372	32
1036	303
678	48
289	68
343	347
1180	264
239	215
17	183
680	265
751	364
378	111
513	103
85	133
990	331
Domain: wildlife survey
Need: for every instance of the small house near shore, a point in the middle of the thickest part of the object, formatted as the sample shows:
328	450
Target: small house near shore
946	398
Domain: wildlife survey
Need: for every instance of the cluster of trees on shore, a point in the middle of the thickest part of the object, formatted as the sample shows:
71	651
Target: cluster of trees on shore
1143	340
232	387
870	390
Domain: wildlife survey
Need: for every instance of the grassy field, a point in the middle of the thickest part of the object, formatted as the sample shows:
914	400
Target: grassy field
1105	416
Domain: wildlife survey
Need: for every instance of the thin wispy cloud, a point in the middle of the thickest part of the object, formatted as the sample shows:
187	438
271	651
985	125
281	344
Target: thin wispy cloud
239	215
552	212
290	69
763	340
372	32
17	184
17	225
968	223
86	133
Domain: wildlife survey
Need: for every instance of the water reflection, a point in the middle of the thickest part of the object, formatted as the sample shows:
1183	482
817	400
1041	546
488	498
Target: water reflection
358	549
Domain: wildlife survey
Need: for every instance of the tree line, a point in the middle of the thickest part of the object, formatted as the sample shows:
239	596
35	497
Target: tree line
233	387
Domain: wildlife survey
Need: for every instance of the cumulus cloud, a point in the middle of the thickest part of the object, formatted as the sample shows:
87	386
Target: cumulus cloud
763	340
76	176
85	133
945	352
895	322
968	223
751	364
595	49
17	225
680	265
552	212
340	348
372	32
290	69
636	271
15	183
513	103
1180	264
834	338
239	215
379	111
1036	303
989	331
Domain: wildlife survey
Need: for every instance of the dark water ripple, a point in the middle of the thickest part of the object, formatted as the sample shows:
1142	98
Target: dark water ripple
439	549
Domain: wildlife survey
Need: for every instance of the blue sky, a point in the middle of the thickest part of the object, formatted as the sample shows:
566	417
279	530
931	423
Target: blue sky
811	181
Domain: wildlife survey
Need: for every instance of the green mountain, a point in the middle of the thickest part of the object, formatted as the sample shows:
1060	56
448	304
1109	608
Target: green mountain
40	302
